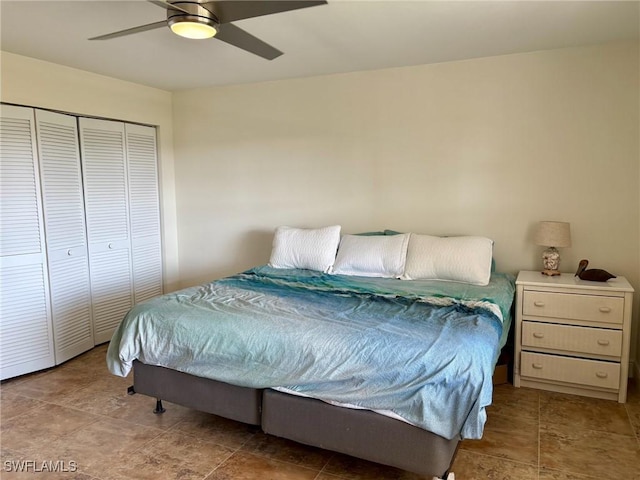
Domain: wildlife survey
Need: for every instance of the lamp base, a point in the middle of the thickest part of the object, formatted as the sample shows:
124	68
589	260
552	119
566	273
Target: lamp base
550	273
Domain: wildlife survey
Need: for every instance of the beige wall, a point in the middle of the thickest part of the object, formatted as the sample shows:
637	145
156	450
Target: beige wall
487	147
31	82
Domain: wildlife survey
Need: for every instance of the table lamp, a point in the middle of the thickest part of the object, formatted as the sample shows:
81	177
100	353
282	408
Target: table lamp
552	235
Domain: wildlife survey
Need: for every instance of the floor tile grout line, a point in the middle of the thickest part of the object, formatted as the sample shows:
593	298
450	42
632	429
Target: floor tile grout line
144	444
100	416
598	432
26	395
325	465
633	429
226	459
306	467
45	402
220	464
3	419
255	454
258	454
582	475
497	457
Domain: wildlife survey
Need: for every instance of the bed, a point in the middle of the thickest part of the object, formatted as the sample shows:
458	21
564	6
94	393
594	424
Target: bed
393	371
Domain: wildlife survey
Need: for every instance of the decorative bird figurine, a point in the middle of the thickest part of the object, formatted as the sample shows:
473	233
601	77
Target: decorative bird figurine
593	274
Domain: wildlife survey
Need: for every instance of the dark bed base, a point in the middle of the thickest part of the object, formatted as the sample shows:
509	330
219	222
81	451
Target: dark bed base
228	401
359	433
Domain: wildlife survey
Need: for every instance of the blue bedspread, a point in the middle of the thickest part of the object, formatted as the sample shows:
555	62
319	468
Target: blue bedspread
422	350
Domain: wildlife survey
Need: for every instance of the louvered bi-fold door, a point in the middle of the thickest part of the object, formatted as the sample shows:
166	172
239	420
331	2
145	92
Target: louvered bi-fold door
26	338
63	202
144	208
104	170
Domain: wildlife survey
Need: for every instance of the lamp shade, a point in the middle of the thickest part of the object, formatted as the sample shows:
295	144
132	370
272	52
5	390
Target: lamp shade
553	234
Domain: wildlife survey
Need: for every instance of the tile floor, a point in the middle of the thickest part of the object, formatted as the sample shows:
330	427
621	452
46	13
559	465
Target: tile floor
80	413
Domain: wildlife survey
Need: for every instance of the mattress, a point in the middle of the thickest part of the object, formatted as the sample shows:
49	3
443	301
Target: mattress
423	351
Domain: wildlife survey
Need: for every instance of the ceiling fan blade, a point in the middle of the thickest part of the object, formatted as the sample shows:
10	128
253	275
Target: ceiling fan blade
167	5
232	10
237	37
129	31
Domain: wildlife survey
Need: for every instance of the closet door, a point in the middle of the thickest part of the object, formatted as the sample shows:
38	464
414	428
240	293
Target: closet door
144	207
63	202
26	337
104	169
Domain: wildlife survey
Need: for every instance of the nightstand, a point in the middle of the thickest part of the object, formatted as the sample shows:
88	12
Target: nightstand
572	336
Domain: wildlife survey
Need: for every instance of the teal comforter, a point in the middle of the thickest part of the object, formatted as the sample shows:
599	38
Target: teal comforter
423	351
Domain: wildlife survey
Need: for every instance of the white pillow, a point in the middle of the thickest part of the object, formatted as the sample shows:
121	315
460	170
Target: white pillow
457	259
372	256
313	249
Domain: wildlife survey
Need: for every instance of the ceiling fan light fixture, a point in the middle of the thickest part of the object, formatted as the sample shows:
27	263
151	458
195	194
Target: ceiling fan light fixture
195	29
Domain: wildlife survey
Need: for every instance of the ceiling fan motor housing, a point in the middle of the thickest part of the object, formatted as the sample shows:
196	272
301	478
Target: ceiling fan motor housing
196	14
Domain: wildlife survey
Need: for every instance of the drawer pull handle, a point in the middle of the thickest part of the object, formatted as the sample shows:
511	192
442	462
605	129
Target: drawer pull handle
604	343
605	309
601	374
69	252
537	366
538	335
110	246
538	304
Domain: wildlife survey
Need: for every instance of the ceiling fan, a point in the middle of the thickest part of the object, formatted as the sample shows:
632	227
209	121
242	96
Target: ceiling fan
198	20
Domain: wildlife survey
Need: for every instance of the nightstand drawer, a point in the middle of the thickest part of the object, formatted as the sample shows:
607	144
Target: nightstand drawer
573	306
570	370
595	341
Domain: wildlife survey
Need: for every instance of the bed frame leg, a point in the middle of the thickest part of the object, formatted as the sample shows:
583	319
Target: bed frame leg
447	476
131	390
159	408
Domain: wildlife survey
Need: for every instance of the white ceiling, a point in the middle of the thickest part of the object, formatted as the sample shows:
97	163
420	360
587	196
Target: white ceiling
342	36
